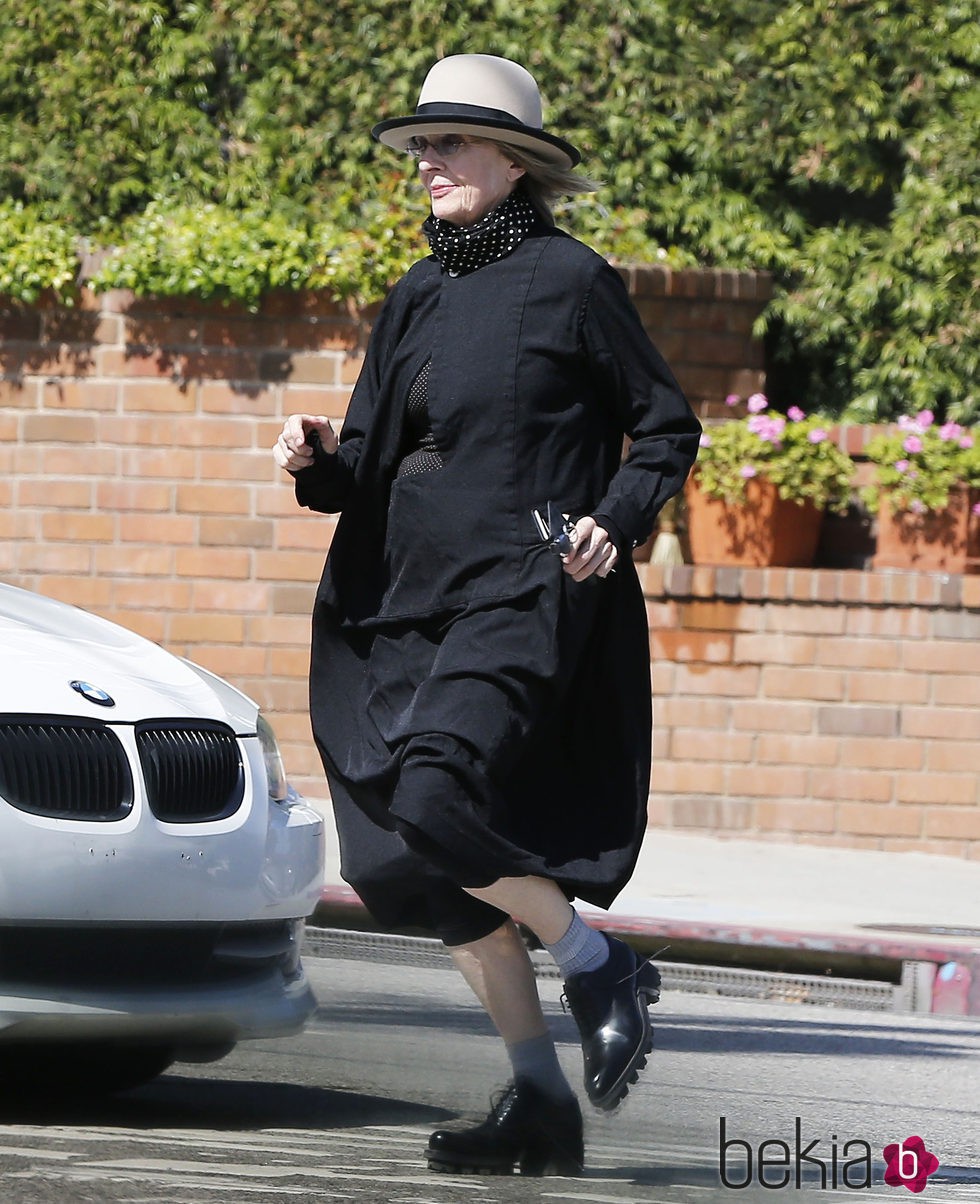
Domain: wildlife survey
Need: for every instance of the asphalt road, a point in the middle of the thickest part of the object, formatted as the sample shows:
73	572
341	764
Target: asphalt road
343	1111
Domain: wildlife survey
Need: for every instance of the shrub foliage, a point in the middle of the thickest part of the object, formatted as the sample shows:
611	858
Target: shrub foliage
831	142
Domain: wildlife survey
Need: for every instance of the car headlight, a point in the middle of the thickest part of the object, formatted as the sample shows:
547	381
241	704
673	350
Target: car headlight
275	771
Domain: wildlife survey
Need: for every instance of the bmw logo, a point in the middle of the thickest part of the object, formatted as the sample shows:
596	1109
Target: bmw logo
93	694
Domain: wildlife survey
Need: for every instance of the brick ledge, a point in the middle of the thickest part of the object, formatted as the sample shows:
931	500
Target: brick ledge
821	587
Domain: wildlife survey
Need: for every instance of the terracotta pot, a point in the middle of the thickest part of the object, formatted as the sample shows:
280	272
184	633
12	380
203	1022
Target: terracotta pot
765	530
940	541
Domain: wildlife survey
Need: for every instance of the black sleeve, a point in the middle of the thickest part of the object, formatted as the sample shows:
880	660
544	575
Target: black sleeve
634	380
327	483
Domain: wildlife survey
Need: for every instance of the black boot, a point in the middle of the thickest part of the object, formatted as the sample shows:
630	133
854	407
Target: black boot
610	1008
525	1128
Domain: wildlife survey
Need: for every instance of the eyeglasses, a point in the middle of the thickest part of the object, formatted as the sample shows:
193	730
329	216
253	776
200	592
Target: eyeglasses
555	528
444	146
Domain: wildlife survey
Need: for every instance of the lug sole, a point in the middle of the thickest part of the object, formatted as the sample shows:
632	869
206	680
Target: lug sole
647	994
528	1165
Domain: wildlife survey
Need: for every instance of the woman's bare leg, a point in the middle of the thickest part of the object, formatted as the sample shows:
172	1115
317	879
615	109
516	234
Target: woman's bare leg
536	1124
536	902
500	974
607	987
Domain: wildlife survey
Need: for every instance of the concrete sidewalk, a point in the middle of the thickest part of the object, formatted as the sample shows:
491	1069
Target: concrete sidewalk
798	908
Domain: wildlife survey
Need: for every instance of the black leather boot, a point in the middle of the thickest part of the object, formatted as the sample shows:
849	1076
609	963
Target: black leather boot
525	1128
610	1008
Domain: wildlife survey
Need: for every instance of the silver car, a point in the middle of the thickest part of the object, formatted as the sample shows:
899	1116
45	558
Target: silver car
155	865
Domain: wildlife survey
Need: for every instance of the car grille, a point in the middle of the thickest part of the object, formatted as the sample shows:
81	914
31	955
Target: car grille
192	773
79	770
67	771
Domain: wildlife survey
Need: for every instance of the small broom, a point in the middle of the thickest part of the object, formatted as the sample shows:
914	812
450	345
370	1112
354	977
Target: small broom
667	545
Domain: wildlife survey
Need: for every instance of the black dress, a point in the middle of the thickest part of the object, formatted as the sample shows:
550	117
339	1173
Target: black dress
479	714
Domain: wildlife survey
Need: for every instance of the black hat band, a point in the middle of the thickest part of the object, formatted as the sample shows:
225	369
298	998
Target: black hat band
445	108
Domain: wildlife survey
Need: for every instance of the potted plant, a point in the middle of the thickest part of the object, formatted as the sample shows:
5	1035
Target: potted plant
926	494
761	485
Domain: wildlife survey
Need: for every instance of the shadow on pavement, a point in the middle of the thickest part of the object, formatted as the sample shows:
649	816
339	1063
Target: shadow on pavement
406	1012
175	1101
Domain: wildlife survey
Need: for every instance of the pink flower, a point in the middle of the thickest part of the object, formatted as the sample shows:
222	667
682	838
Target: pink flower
916	506
769	429
757	403
901	465
949	431
817	435
906	423
975	509
912	444
966	441
795	414
732	399
747	472
704	441
925	418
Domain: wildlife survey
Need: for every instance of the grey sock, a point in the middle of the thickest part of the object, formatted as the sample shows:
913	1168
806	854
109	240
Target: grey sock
581	948
537	1060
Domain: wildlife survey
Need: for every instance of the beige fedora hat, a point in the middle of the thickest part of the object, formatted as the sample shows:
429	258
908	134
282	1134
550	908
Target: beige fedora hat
484	95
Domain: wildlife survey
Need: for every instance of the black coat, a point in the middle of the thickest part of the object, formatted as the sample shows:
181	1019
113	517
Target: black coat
464	691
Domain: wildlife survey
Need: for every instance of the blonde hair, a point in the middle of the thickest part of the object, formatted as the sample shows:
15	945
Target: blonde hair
544	182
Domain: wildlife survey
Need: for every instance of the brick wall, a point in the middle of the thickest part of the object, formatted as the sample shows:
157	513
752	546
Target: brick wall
137	481
829	707
137	476
702	323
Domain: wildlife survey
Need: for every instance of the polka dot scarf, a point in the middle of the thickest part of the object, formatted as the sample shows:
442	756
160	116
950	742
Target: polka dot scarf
462	249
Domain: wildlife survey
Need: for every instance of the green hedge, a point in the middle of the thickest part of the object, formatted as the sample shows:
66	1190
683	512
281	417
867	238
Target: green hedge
831	142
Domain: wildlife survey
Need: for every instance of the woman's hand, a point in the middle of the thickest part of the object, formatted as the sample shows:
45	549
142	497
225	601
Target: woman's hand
292	449
593	551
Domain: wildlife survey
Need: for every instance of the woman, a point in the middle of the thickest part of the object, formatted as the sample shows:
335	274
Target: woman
480	685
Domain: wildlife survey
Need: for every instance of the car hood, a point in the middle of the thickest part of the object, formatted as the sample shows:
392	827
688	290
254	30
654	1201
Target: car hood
47	645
